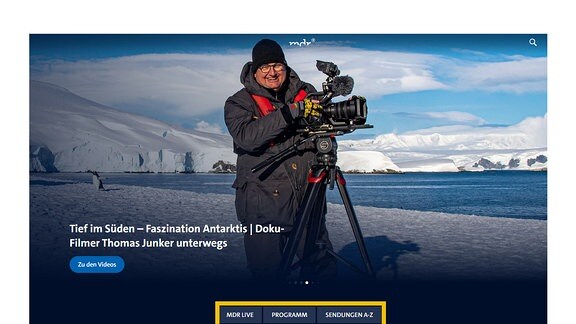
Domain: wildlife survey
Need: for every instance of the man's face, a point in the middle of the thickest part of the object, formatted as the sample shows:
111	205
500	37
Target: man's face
271	76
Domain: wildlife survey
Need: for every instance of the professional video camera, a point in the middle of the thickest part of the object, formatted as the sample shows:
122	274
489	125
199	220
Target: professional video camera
337	117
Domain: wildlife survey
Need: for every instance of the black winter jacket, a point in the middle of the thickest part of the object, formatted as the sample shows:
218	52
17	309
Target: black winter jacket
271	195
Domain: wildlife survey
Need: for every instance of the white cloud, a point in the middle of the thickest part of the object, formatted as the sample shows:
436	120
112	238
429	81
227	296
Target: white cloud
457	117
375	73
209	128
189	85
451	117
518	75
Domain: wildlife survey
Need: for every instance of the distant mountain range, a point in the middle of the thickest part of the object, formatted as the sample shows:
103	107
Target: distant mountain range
463	148
69	133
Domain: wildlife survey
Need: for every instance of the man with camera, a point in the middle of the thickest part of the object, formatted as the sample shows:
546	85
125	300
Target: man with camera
263	119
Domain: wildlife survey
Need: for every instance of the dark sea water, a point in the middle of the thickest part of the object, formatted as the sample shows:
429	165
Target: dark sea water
514	194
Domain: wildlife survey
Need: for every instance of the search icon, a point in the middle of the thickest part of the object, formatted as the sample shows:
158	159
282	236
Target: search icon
532	41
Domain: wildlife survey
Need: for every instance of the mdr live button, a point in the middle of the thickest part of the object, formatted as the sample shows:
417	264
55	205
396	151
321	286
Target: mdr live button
97	264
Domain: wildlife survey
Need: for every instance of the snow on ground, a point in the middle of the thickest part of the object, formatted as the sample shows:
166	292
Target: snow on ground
403	244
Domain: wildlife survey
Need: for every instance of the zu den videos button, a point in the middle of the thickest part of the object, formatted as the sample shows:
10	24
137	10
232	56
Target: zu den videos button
97	264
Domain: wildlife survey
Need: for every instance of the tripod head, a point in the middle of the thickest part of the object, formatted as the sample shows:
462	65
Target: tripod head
319	136
327	147
326	152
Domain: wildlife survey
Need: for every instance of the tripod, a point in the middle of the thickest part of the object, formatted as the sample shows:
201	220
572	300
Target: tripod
323	174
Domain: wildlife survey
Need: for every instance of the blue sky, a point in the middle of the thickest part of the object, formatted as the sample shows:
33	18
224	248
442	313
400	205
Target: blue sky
411	81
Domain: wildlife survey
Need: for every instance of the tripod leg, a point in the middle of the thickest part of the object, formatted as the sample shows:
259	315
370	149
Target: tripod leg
311	248
354	222
302	218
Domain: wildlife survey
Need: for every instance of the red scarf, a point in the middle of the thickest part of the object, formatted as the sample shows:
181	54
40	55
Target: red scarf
266	107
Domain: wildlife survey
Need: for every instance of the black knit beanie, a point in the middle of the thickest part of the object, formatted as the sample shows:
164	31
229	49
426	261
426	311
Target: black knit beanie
266	51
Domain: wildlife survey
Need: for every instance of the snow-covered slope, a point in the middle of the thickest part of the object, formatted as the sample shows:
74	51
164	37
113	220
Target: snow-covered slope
365	161
452	148
71	133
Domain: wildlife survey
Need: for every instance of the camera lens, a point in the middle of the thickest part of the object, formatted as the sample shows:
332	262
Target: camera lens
354	110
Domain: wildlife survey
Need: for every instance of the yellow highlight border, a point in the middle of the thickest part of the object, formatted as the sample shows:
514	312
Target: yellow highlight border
219	304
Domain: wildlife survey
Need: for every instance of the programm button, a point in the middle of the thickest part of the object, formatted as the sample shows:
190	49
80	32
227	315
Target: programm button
289	314
97	264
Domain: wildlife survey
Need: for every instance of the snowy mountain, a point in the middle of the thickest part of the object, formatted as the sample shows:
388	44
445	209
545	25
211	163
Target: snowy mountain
71	133
457	148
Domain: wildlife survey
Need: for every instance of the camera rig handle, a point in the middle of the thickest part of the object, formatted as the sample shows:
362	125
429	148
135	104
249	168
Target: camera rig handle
282	154
313	135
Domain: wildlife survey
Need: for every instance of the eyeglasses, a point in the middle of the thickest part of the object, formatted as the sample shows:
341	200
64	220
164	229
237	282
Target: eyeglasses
278	67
